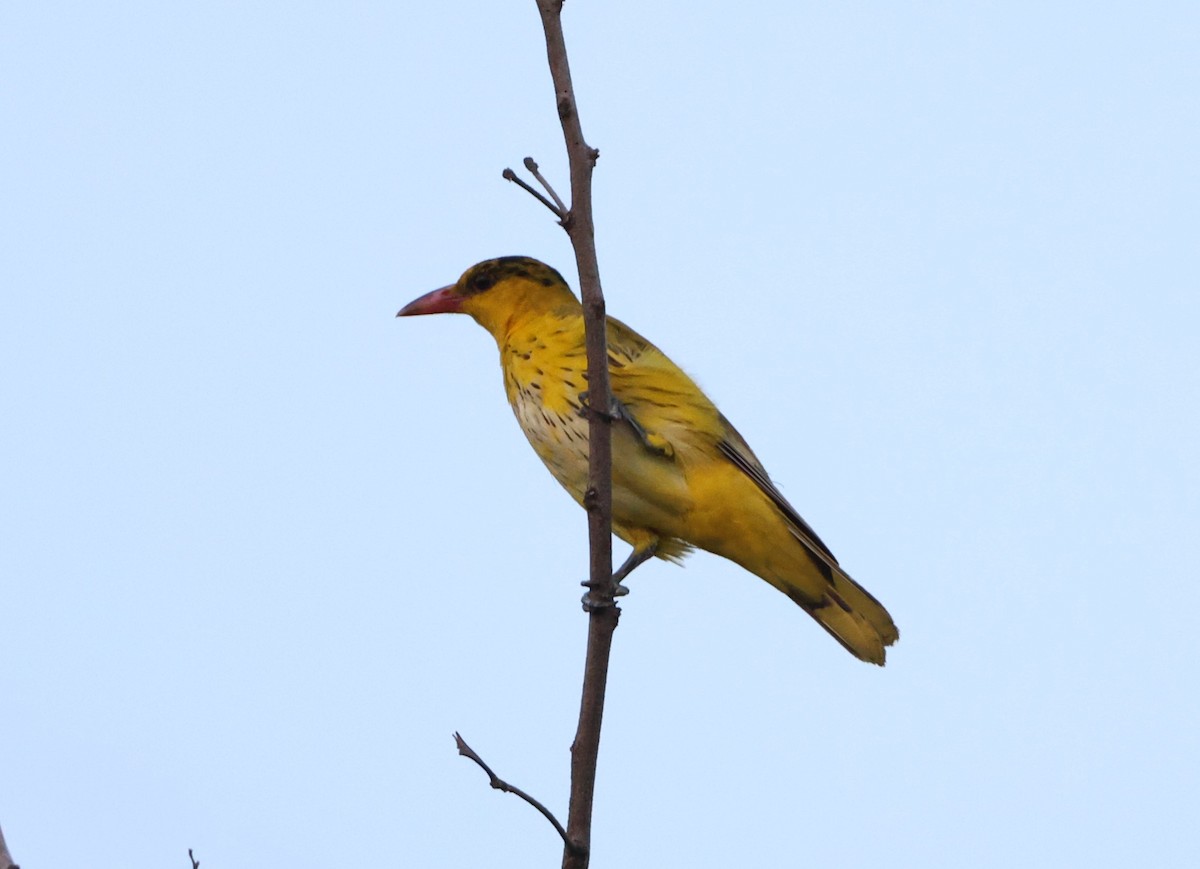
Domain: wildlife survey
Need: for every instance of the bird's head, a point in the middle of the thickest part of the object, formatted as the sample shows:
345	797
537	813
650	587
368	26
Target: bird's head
497	292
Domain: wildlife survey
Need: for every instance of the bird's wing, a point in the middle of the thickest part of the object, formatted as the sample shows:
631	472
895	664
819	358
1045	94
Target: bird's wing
660	398
668	404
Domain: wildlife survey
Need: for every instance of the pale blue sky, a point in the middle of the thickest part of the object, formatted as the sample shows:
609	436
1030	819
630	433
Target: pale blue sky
263	547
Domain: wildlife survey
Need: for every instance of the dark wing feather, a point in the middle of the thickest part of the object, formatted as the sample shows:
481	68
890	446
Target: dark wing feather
735	448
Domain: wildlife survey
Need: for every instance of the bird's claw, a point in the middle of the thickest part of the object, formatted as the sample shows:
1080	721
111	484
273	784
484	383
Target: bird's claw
594	599
615	407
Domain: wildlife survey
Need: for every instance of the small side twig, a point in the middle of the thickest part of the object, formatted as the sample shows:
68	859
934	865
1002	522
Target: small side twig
532	166
501	785
559	212
195	862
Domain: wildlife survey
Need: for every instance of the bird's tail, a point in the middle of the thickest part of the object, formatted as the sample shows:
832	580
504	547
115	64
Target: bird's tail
850	613
808	573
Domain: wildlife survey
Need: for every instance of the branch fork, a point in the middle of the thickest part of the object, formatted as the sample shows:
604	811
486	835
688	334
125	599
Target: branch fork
557	207
501	785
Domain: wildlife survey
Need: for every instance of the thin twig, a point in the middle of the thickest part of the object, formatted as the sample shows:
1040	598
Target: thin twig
501	785
195	862
560	213
532	166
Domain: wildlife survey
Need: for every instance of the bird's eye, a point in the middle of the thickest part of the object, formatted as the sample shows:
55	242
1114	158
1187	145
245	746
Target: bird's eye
479	283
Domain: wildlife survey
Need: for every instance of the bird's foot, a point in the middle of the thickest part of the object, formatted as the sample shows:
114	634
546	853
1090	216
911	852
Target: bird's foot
617	411
603	593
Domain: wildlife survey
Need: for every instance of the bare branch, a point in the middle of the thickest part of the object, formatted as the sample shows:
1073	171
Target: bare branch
195	862
559	212
501	785
602	610
6	860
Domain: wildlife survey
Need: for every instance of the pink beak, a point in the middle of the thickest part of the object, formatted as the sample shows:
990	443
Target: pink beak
442	301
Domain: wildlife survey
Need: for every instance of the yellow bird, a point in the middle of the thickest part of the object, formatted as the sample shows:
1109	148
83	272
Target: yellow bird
682	475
